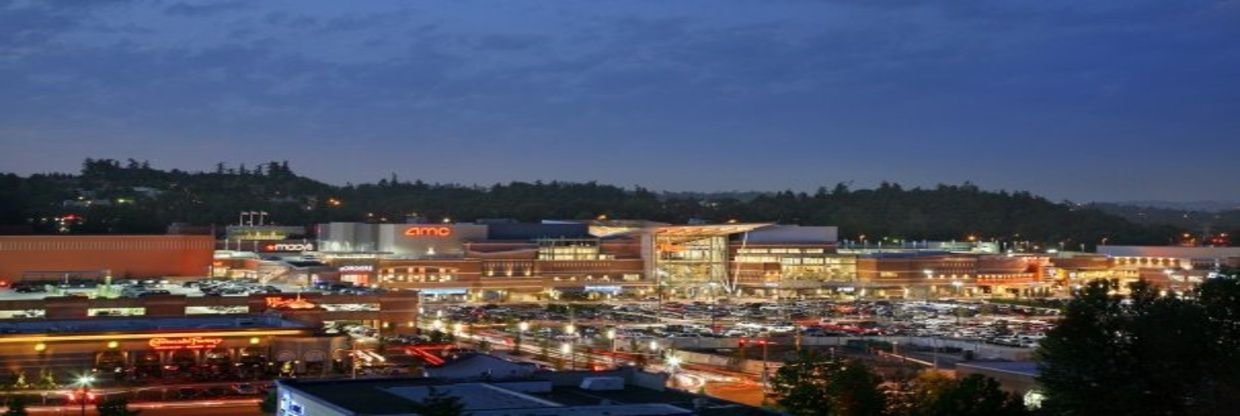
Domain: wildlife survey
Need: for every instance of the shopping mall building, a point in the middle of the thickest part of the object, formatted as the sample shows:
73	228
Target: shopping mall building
504	260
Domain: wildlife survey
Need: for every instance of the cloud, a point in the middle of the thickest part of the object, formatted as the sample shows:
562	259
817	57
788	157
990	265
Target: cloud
201	9
509	42
810	80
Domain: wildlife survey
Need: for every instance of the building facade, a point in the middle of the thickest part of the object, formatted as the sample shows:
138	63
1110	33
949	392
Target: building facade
120	256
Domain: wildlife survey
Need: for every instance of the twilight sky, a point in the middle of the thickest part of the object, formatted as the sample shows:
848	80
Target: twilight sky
1086	100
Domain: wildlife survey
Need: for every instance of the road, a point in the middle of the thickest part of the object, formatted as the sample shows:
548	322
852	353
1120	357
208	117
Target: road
237	407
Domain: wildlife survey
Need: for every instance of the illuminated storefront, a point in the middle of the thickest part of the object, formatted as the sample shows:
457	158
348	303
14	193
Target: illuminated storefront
130	348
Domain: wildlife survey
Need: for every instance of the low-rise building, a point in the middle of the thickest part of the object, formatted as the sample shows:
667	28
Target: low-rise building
622	392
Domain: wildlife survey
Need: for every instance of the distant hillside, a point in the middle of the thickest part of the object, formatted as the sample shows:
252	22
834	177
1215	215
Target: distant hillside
1201	206
1193	220
109	196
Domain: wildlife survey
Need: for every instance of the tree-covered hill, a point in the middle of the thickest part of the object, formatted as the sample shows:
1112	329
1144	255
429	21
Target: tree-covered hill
109	196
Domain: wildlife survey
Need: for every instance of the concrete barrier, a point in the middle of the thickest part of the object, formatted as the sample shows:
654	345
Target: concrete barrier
980	349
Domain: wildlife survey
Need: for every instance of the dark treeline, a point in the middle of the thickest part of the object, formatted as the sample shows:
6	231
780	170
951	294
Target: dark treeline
132	197
1198	221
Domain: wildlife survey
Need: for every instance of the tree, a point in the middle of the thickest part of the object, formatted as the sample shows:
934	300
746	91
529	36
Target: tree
438	403
270	403
16	406
975	395
813	385
1148	354
47	379
115	406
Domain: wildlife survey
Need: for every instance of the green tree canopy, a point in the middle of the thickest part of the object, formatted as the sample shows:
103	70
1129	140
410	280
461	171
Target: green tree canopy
136	198
16	406
1146	354
975	395
813	385
270	403
115	406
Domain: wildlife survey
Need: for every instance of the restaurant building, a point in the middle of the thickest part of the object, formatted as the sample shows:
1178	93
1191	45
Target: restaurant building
149	347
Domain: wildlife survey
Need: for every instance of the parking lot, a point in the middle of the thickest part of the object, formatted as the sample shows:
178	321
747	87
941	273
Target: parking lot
977	321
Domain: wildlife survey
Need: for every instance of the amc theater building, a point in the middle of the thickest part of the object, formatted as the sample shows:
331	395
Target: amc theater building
484	261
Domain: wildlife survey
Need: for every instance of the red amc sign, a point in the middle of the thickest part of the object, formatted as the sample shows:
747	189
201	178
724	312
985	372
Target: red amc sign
429	231
188	343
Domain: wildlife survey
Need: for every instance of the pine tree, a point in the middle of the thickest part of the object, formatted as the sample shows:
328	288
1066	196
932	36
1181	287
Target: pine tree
270	403
16	406
115	406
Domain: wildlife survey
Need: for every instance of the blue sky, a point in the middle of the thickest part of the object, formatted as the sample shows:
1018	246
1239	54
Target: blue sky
1085	100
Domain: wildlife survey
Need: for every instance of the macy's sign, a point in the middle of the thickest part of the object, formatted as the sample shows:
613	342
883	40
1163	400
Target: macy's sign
289	247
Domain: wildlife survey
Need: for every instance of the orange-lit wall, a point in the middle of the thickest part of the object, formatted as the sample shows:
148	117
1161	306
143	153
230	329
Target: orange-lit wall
138	256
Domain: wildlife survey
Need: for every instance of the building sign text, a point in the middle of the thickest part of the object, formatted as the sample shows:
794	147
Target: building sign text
187	343
429	231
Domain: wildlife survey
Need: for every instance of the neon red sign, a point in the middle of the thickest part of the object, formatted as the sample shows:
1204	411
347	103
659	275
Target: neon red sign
187	343
282	303
429	231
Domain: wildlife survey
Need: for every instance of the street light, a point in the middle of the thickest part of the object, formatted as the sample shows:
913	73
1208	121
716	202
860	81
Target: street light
85	381
673	363
521	328
611	338
567	349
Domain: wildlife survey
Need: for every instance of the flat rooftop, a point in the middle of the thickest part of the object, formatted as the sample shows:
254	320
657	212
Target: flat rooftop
146	324
527	396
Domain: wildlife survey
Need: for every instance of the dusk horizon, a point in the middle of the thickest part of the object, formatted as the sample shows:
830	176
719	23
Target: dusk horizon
620	207
1095	101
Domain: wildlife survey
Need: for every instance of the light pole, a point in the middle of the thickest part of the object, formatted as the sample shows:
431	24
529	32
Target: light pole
929	275
566	349
611	338
85	382
571	331
352	359
673	363
521	328
765	376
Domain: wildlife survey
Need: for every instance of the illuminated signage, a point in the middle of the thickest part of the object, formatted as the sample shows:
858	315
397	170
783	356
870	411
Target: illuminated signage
272	247
429	231
282	303
603	289
357	268
187	343
445	291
